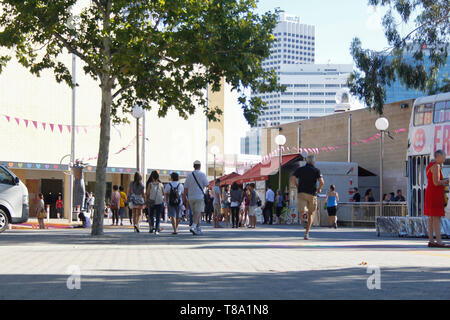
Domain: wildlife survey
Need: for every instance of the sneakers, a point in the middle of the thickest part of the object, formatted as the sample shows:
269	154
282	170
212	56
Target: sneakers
157	233
306	237
192	230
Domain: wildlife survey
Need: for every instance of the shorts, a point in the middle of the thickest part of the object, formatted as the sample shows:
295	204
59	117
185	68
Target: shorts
308	201
174	212
252	211
217	210
332	211
197	206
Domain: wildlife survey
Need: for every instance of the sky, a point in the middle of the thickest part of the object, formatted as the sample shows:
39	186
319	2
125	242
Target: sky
337	23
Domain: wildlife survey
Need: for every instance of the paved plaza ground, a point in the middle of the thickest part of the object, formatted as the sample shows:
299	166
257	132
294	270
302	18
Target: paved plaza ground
270	262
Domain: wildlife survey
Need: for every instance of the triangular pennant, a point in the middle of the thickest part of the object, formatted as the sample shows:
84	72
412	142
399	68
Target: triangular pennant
60	127
8	118
35	124
26	123
18	121
78	129
43	125
52	126
69	128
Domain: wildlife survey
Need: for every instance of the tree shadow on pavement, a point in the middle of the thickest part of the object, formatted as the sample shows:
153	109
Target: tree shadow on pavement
337	284
240	237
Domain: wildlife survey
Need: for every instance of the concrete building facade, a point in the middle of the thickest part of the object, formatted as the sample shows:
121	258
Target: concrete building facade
329	136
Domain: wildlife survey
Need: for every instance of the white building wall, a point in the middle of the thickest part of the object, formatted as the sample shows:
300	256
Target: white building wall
173	143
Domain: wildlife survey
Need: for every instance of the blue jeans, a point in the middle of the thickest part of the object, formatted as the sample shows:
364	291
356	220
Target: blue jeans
157	210
191	217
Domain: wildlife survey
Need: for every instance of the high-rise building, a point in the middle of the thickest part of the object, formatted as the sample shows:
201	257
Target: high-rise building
311	89
251	143
310	92
294	43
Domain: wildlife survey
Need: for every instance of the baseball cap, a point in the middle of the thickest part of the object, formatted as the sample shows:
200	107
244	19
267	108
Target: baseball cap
196	162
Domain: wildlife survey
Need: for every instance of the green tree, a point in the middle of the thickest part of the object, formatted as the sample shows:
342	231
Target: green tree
404	58
145	51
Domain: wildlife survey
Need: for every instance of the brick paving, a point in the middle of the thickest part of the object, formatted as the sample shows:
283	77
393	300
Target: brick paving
272	262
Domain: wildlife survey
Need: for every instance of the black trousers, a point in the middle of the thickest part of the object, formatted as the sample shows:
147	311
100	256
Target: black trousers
235	215
268	212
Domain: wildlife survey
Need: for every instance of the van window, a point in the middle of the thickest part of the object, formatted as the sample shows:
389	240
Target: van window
6	177
442	111
423	114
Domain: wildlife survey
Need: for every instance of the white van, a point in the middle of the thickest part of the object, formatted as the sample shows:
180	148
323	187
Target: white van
14	206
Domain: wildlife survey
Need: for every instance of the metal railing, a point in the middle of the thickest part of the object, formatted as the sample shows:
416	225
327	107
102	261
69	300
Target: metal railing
365	213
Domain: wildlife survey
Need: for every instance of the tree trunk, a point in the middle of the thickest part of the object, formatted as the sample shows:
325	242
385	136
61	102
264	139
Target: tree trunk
106	83
102	161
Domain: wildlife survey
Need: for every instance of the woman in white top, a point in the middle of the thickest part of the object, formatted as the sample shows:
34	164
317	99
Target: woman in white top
155	201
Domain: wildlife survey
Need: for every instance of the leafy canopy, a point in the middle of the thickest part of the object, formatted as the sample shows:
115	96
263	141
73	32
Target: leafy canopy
147	50
405	57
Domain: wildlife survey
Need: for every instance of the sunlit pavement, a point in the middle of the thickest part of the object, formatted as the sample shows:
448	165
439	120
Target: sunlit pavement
270	262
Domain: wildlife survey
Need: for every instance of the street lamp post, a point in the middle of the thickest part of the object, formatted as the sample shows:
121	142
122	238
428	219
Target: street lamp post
280	140
215	150
137	113
382	125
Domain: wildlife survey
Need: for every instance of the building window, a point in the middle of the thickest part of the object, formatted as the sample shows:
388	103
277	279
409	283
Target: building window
442	111
423	114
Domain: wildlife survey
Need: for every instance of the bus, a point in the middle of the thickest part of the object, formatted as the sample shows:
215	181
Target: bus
429	130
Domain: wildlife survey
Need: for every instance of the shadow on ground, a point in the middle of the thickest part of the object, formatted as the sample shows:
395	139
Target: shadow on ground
211	239
351	283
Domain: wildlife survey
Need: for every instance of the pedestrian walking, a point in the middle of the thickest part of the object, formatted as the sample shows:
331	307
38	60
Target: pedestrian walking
217	203
368	197
253	204
155	201
209	208
123	204
356	195
60	208
226	204
91	205
236	200
305	179
195	183
173	195
435	199
115	205
136	199
41	213
332	203
246	206
280	206
399	197
268	206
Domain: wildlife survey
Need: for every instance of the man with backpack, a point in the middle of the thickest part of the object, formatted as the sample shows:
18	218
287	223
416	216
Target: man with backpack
173	192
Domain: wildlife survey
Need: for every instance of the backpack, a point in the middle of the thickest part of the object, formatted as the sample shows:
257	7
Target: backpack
174	196
115	201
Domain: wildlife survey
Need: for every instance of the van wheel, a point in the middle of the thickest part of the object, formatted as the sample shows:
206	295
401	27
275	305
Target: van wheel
3	220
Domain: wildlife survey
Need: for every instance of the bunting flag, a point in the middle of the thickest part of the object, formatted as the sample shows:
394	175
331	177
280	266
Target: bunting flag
38	124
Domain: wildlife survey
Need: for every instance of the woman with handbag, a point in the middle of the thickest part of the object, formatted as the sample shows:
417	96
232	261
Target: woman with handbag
136	199
40	210
155	201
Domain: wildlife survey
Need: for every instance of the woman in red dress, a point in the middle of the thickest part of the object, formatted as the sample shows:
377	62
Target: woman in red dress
434	198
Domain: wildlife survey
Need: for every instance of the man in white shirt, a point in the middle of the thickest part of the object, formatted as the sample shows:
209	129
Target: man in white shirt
195	183
268	207
217	203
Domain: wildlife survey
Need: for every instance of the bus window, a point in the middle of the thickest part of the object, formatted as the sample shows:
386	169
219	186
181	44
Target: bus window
423	114
442	111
